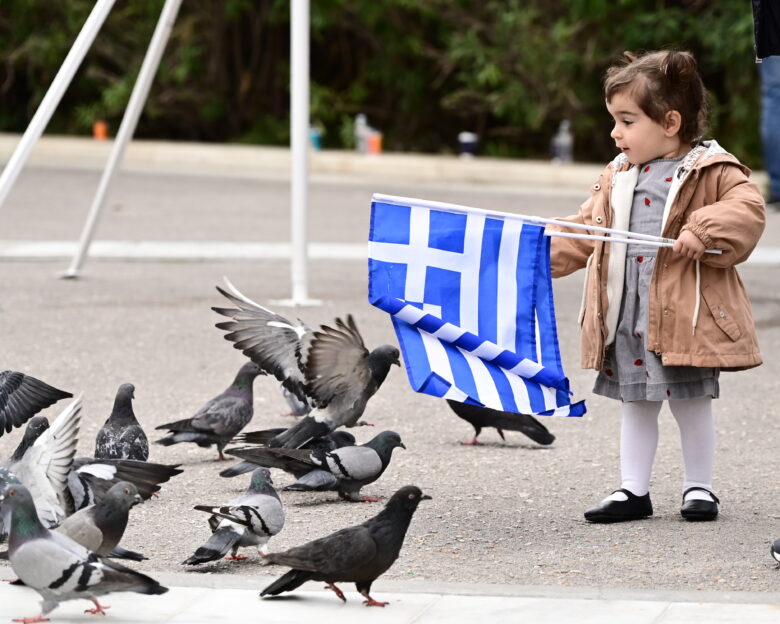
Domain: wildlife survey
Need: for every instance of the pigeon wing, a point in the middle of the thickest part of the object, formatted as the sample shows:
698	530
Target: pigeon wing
337	364
354	462
45	466
268	339
336	554
81	528
224	416
22	396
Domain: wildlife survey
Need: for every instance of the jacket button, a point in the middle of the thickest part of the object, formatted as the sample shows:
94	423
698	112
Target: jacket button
597	187
666	266
599	314
666	311
665	359
598	266
599	219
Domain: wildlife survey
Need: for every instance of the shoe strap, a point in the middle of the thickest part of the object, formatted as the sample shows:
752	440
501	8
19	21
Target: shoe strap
696	487
628	493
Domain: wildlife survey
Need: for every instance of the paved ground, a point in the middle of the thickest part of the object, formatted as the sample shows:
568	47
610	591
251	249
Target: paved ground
504	514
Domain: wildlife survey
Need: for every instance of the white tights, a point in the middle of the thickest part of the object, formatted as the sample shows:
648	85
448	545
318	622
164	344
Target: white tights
639	439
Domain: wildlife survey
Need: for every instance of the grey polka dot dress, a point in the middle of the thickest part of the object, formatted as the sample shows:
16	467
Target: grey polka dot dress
630	372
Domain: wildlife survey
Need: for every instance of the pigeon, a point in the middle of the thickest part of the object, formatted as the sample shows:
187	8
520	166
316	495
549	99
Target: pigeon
480	417
90	479
100	527
357	554
249	520
775	550
330	369
44	458
55	566
329	442
221	418
346	469
22	396
6	477
297	407
121	437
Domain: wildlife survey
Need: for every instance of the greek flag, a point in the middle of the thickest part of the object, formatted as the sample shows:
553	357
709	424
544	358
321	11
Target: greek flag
471	300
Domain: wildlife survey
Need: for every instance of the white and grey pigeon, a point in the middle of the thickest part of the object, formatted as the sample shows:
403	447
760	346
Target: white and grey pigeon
122	437
775	550
248	520
55	566
330	369
219	419
90	479
346	469
100	527
23	396
44	458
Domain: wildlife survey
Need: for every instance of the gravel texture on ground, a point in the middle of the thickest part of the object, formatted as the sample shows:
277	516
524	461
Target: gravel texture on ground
503	512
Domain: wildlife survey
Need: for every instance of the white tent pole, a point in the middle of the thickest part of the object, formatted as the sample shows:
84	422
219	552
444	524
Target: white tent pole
53	96
299	137
126	129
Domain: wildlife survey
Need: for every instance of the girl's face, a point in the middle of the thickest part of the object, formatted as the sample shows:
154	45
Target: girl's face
639	137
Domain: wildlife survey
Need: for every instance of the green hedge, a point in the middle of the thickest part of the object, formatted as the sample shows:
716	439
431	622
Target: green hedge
422	70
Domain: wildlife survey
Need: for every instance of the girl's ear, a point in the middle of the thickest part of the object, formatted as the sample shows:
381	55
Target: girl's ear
672	123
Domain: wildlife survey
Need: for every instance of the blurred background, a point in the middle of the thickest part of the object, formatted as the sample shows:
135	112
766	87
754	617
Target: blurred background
422	71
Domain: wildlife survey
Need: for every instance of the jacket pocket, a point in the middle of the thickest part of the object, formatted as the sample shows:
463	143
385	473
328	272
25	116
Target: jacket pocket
720	313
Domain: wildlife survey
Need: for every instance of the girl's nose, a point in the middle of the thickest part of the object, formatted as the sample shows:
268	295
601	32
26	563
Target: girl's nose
614	134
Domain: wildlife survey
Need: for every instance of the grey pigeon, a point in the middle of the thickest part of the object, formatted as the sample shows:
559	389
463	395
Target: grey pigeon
22	396
249	520
330	369
55	566
330	442
221	418
44	458
357	554
6	477
122	437
346	469
775	550
480	417
100	527
90	479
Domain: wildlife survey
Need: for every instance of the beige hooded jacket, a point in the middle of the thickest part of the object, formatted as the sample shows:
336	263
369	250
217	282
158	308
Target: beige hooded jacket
699	311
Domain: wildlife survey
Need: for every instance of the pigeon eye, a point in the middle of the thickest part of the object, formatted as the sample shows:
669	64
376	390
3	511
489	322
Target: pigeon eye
12	493
412	496
127	491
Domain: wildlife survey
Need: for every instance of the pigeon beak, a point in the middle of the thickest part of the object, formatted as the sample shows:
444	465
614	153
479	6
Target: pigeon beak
402	445
425	497
397	362
137	499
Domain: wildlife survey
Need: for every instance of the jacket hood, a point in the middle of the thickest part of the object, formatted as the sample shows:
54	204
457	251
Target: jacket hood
703	155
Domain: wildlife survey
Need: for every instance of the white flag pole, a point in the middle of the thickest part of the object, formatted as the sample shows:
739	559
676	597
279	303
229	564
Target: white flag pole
627	237
53	96
126	130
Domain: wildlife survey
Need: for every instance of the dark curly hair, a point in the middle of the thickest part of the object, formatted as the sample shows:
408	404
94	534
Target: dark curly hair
660	82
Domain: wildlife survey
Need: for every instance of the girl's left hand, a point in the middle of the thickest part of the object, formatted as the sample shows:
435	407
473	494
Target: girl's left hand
688	244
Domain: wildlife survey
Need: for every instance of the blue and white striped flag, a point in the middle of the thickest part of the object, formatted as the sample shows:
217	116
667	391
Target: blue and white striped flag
470	295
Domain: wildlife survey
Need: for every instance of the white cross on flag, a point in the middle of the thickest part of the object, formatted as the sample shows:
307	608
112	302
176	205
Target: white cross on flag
471	300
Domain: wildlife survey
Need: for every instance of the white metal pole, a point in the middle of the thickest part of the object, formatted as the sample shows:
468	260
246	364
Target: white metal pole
299	137
126	130
53	96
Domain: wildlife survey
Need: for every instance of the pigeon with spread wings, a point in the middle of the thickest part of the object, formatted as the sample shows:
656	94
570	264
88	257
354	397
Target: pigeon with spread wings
330	369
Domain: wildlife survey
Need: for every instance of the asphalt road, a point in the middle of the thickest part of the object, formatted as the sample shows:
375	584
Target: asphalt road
505	512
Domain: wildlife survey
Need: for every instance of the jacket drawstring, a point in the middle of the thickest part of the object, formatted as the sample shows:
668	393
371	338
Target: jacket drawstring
698	298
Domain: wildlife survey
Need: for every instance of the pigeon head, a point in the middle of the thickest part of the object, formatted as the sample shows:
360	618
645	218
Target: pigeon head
406	500
250	368
124	495
126	391
261	480
380	360
35	427
18	510
384	443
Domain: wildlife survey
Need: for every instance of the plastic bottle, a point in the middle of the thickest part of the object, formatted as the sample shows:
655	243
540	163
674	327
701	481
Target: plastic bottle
563	144
361	133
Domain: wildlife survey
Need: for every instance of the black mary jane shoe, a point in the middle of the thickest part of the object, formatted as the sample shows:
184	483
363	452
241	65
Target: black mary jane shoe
635	508
699	509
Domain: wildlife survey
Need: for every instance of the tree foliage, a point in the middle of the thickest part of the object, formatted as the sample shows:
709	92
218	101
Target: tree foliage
422	70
